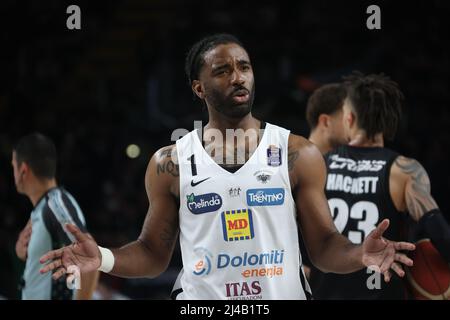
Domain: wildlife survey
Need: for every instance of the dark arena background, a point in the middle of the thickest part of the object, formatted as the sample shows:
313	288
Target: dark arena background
119	81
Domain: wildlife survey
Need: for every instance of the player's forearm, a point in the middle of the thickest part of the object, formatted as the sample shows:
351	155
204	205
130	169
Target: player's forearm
339	255
434	226
135	260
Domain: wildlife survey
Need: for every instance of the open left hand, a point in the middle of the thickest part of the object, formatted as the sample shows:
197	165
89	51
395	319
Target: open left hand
383	254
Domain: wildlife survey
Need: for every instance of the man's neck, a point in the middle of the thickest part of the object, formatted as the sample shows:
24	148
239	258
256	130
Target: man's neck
233	148
222	123
359	139
39	189
320	142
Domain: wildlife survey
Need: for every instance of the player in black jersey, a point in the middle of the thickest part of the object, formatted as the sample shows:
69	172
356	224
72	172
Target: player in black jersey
324	116
367	183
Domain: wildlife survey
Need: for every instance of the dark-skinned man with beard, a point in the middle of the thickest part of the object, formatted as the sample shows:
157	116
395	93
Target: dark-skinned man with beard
237	195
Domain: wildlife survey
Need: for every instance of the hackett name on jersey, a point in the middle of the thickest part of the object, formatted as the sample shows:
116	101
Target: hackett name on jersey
360	185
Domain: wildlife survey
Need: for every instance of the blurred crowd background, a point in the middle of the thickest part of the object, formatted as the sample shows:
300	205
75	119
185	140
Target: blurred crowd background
120	81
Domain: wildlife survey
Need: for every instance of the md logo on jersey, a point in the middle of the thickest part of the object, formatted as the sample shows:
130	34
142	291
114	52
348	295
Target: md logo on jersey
265	197
273	156
237	225
203	266
204	203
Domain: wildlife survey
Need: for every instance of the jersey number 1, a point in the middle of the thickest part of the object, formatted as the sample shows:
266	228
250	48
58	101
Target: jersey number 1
193	165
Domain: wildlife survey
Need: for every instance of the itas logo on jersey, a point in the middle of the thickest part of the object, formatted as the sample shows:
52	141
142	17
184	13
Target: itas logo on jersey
265	197
237	225
273	156
203	203
203	265
243	290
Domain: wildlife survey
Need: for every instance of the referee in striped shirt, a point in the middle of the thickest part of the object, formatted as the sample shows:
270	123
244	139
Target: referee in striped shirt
34	165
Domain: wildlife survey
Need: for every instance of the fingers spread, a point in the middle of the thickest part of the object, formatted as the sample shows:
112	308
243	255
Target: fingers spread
387	276
73	229
403	258
404	246
51	266
59	273
380	229
389	256
398	269
51	255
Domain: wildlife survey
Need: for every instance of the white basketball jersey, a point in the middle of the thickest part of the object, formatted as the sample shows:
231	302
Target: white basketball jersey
238	231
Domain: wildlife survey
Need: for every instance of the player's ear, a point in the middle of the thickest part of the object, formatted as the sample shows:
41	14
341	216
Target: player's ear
198	89
324	120
351	119
348	115
24	168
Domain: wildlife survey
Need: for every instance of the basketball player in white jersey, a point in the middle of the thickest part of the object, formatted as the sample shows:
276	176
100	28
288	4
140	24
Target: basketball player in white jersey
238	223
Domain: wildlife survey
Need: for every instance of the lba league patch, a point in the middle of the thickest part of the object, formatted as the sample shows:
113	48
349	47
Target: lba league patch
273	156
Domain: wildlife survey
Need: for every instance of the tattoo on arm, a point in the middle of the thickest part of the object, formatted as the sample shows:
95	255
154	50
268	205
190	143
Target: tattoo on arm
292	157
168	165
418	190
166	152
169	234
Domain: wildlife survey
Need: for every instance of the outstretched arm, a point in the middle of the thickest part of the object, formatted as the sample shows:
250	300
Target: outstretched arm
421	205
148	256
328	249
325	244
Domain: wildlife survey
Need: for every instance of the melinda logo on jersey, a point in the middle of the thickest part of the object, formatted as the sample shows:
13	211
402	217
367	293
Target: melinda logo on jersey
265	197
203	203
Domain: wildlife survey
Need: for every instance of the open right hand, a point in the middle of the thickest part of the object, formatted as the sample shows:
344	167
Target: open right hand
83	253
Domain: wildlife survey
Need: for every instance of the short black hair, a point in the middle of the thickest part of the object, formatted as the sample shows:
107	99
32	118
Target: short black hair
377	102
328	99
194	59
39	153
